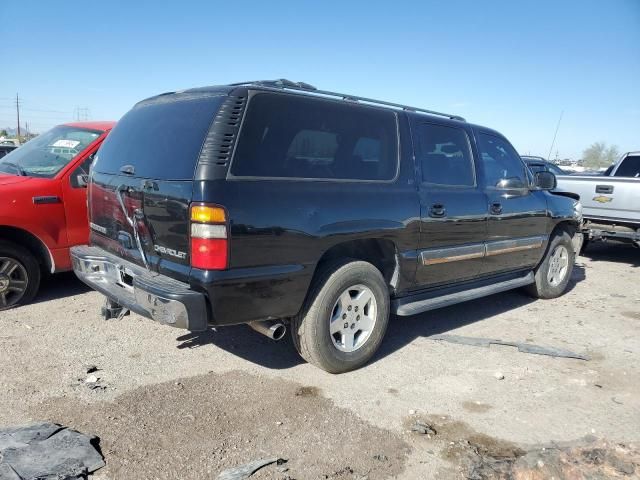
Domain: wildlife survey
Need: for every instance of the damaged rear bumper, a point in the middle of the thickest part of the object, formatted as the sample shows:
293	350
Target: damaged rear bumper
146	293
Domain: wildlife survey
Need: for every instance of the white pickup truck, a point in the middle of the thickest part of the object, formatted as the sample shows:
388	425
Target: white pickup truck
610	202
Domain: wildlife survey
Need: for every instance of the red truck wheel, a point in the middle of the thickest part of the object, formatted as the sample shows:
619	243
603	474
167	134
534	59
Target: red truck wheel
19	275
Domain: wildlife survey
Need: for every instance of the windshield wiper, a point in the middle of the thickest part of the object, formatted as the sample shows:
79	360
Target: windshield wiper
18	168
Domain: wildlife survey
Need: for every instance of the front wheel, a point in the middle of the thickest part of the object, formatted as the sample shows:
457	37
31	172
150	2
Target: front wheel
554	272
19	275
344	318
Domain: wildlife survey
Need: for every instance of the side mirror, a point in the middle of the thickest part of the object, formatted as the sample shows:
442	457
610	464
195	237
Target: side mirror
82	180
511	183
545	180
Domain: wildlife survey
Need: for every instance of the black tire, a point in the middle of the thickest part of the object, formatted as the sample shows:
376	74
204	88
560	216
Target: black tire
310	329
543	287
24	273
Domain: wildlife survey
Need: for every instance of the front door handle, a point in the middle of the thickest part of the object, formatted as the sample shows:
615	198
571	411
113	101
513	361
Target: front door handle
604	188
46	199
496	208
437	210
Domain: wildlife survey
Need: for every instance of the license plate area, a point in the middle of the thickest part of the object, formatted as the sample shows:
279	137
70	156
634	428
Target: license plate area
125	277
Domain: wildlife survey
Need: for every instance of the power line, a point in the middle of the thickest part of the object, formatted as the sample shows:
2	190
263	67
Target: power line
25	107
39	116
43	110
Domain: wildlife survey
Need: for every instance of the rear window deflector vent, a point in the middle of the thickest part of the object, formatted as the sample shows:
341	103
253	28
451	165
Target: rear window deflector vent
219	144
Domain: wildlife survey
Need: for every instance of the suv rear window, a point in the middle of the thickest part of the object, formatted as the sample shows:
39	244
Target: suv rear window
161	139
286	136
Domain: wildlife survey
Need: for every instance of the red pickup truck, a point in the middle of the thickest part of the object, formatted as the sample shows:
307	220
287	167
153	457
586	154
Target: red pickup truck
43	206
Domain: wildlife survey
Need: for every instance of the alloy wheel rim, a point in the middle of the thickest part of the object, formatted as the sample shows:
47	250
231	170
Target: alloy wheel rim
13	281
353	318
558	265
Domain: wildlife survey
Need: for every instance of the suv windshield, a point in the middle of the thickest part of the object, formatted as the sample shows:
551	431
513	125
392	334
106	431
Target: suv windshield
47	154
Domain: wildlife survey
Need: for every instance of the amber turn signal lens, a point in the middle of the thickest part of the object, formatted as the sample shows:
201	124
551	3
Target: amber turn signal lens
205	214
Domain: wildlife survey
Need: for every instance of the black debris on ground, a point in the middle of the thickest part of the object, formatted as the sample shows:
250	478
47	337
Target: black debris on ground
47	451
423	428
521	346
588	459
245	471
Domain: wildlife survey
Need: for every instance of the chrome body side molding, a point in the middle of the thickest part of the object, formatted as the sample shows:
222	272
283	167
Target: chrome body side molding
514	245
434	256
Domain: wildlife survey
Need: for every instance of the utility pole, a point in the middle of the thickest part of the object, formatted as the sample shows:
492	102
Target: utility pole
82	113
18	114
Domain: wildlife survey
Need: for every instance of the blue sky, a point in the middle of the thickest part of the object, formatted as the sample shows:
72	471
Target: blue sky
510	65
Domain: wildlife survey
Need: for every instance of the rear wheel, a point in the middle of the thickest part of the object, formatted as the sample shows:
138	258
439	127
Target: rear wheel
554	272
19	276
344	318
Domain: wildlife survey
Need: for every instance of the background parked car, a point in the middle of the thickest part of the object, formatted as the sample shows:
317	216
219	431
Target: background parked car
539	164
611	202
5	149
43	206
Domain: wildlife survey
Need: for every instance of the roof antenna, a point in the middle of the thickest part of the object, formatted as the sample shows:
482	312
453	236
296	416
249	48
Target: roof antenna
554	135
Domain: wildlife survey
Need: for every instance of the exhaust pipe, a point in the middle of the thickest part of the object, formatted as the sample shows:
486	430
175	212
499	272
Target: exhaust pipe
273	330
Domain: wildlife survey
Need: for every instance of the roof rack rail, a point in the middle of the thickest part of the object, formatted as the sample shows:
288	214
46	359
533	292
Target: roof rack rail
305	87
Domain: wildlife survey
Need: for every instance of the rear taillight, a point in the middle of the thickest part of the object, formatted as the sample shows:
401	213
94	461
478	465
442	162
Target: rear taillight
209	243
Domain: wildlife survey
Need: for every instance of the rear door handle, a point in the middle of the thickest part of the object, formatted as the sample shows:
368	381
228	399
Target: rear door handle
496	208
604	188
437	210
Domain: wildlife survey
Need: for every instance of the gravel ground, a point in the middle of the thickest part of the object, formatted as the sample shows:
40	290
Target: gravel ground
169	404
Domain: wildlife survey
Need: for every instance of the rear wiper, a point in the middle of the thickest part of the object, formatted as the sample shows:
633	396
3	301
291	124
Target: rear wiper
18	168
133	221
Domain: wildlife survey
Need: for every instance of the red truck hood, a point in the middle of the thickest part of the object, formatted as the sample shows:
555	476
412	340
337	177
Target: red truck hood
10	179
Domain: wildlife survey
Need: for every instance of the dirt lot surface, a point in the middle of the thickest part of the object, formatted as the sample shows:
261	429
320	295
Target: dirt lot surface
169	404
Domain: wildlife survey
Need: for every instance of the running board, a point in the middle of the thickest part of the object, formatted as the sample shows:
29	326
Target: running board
403	309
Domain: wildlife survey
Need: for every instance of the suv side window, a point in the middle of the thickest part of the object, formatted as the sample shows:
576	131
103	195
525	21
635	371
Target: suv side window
445	156
287	136
500	160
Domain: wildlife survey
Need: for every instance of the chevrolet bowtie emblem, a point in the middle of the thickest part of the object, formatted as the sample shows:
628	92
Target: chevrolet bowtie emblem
602	199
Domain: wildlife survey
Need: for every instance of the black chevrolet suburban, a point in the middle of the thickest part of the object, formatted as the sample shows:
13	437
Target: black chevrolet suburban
274	203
